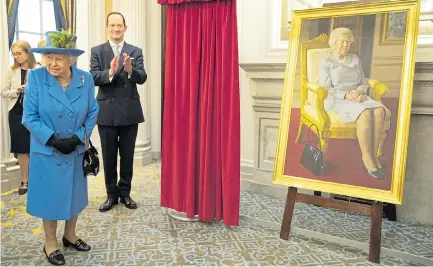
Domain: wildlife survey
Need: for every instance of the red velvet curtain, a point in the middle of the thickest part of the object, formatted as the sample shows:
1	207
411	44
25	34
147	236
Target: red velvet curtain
200	172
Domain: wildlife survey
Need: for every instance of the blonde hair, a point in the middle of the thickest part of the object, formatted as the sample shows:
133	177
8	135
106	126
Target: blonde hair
42	43
337	32
25	46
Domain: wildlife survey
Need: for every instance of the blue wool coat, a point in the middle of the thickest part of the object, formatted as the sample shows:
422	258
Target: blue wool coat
57	185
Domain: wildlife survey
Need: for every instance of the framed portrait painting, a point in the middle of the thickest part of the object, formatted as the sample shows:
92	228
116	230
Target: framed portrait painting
346	106
393	28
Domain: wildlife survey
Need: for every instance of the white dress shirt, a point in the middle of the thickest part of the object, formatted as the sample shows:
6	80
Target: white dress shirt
117	53
113	46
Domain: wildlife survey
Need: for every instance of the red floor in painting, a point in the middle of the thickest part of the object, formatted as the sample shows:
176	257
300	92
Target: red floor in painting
343	158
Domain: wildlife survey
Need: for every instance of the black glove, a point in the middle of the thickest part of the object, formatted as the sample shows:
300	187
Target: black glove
61	145
73	141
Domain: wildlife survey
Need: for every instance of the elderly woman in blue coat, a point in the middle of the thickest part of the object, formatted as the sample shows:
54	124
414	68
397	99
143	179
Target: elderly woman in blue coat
341	72
60	111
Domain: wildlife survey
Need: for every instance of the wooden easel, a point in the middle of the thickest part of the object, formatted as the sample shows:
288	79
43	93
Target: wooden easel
374	211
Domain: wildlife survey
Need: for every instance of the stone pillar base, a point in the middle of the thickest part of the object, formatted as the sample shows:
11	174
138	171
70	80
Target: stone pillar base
10	175
142	154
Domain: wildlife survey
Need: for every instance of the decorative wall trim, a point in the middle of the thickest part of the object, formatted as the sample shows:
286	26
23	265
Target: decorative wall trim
424	67
264	97
247	163
420	110
267	80
274	108
265	141
266	122
263	67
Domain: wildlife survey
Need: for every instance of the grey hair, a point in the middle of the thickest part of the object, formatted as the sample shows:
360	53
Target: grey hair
337	32
73	59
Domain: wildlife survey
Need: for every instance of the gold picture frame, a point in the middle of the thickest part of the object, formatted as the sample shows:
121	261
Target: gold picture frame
393	28
297	49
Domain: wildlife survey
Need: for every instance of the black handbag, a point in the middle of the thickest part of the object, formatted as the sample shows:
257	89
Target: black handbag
312	157
91	160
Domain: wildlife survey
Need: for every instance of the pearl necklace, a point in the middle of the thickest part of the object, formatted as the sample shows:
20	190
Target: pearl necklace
64	82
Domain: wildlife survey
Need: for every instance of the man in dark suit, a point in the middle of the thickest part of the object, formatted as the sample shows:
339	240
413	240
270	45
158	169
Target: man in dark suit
117	68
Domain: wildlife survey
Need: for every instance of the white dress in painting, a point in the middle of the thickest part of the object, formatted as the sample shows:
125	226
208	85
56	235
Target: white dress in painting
340	77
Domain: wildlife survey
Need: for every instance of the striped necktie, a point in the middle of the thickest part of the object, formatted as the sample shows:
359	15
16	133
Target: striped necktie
117	49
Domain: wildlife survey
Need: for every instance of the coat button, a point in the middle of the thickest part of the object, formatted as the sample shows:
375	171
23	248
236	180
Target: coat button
59	115
68	131
69	163
71	115
58	163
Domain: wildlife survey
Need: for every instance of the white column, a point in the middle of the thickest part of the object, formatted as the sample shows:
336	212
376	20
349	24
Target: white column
138	15
90	28
10	175
4	65
153	30
90	32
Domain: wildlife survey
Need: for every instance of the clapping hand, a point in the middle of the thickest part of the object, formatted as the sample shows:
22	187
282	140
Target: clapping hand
114	66
127	63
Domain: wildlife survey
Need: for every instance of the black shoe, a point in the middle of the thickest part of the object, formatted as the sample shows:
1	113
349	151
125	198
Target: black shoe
79	245
129	203
108	204
377	174
383	169
23	188
56	257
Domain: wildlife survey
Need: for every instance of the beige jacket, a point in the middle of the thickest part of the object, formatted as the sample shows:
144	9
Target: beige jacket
9	86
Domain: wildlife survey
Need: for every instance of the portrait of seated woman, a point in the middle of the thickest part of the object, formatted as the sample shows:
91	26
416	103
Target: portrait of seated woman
342	74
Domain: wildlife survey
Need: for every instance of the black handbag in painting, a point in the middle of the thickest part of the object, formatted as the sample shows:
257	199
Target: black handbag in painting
90	160
312	157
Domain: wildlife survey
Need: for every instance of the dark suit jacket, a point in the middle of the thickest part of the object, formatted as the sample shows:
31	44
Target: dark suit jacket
119	101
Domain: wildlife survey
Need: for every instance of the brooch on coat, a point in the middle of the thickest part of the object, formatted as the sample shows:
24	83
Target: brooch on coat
83	79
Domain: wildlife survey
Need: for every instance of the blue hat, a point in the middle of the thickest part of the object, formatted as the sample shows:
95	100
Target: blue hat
59	43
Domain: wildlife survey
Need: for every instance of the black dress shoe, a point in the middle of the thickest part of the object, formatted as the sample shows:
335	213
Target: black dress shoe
129	203
377	174
55	257
383	169
23	188
108	204
79	245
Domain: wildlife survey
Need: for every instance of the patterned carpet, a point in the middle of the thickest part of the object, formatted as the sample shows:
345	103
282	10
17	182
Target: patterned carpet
408	237
148	237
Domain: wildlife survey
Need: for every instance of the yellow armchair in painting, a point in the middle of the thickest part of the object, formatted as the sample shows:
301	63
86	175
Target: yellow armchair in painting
313	96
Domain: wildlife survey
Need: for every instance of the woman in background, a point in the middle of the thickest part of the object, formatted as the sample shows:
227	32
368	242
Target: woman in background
13	88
